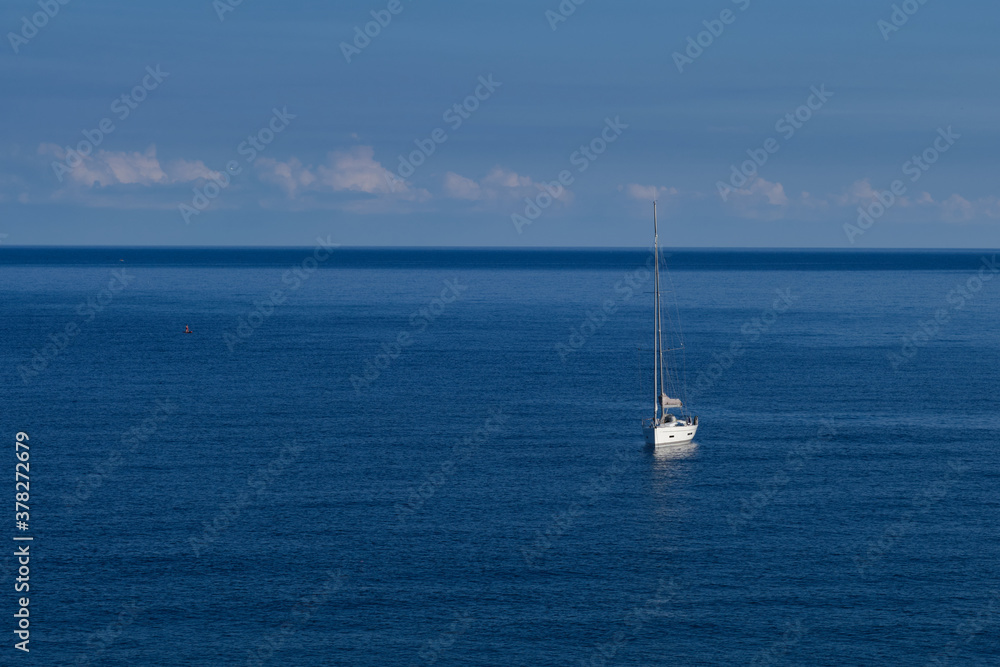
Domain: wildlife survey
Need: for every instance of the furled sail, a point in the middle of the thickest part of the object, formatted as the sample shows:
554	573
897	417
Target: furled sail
668	402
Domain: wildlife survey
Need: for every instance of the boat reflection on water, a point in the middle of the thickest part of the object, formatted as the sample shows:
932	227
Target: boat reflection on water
671	466
673	452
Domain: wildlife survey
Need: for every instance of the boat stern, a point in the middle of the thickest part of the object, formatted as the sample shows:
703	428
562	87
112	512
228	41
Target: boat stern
676	433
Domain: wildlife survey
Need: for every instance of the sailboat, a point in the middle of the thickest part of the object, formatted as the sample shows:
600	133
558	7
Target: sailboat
664	428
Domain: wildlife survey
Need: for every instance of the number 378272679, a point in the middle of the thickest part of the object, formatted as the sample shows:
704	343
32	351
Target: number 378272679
22	488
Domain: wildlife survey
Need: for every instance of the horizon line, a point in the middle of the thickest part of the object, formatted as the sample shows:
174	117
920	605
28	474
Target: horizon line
503	248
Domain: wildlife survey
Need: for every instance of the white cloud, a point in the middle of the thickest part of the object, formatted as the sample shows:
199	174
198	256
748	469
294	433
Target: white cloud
182	171
355	170
290	176
106	168
125	168
773	192
859	192
649	192
957	208
500	179
762	199
460	187
499	185
811	202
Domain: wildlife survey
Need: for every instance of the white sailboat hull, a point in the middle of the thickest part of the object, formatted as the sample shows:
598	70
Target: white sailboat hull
669	434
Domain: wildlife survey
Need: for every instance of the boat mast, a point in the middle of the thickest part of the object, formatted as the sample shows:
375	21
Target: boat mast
657	341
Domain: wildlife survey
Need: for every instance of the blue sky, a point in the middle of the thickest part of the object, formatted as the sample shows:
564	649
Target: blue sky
672	127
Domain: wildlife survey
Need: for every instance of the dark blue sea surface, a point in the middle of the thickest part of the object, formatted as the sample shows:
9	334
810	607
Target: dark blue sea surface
416	457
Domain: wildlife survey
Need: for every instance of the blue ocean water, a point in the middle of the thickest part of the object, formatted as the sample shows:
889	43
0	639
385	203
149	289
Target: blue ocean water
434	457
